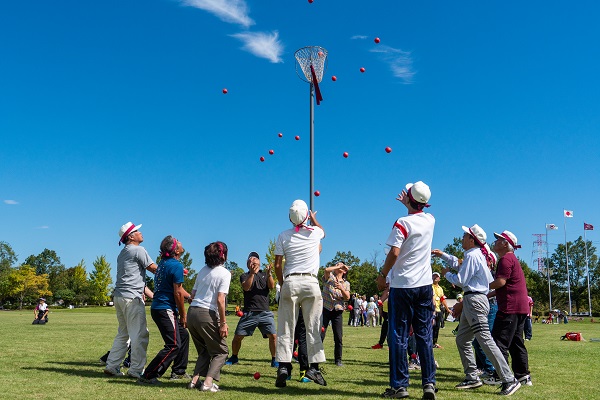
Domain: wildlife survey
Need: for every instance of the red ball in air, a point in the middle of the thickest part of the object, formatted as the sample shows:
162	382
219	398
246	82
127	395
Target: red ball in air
185	272
322	329
413	356
297	138
224	91
345	154
280	135
262	159
257	375
317	193
271	152
350	308
334	78
388	149
311	1
377	40
296	354
296	341
362	69
379	302
239	314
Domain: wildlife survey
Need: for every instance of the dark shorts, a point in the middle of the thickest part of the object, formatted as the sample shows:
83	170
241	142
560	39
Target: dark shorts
264	320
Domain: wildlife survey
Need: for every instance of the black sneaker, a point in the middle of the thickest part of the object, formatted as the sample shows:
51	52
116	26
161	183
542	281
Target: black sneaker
338	363
469	384
429	391
509	388
316	376
525	380
395	393
282	376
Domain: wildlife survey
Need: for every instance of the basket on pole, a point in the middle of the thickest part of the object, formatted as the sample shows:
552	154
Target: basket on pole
312	62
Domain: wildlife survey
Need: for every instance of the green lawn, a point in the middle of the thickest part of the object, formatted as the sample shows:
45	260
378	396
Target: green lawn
60	361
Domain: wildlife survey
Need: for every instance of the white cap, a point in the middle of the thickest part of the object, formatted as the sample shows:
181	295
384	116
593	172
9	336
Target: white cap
298	212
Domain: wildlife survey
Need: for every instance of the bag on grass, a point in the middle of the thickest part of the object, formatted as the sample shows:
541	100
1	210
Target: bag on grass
573	336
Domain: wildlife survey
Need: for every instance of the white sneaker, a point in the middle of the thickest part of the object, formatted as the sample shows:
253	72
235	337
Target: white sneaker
526	380
214	388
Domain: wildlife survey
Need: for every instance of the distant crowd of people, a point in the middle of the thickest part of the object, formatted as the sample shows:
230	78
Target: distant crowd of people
493	311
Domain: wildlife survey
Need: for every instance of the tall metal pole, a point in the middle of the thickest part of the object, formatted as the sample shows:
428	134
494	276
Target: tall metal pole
548	269
312	145
587	266
567	259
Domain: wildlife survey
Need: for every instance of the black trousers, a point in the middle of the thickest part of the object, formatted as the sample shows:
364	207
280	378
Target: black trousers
177	343
508	335
439	316
336	325
300	336
384	328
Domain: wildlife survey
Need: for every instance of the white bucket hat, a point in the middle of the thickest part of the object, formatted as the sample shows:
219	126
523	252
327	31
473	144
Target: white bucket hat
477	233
418	192
126	230
509	237
298	212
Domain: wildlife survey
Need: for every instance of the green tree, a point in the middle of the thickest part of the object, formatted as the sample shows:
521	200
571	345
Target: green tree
73	286
48	262
455	249
190	279
100	281
8	258
577	274
362	279
26	285
236	293
345	257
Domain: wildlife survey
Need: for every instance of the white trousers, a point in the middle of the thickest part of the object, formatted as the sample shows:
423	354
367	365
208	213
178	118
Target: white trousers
131	314
299	291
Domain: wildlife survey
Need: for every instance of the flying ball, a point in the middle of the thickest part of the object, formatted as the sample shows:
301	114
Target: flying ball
388	149
297	138
317	193
224	91
350	308
320	54
296	354
271	152
362	69
377	40
413	356
262	159
345	154
257	375
239	314
334	78
379	302
280	135
310	1
322	329
185	272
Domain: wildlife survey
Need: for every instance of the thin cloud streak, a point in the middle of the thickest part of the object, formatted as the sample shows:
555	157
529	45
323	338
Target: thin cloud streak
42	227
11	202
233	11
358	37
400	62
262	44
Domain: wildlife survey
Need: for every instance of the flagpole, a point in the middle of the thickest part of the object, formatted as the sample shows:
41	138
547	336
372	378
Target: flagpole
587	266
567	258
547	262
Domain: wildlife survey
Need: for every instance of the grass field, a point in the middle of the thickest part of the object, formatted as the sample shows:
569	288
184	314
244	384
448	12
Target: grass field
60	361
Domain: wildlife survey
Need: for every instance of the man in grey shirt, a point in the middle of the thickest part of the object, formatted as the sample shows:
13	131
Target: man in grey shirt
132	263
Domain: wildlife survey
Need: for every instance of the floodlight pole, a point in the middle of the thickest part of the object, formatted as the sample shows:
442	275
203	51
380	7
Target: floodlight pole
312	145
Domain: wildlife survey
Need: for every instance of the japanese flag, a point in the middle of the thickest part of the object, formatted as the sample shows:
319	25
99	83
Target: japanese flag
568	213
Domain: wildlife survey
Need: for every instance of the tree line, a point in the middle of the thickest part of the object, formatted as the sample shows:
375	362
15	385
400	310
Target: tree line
45	275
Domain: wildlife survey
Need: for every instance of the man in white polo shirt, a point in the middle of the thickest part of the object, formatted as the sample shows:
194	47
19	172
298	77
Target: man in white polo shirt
410	300
300	246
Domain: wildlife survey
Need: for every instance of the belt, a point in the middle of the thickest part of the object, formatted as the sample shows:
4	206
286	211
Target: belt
468	293
300	274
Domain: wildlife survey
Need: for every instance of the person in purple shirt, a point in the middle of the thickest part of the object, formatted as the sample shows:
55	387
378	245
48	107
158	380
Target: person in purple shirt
513	306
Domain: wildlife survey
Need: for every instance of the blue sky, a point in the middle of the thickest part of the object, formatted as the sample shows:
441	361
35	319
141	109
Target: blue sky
112	111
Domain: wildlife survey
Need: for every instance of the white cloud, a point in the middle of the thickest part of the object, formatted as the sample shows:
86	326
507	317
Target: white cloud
261	44
400	62
11	202
233	11
358	37
42	227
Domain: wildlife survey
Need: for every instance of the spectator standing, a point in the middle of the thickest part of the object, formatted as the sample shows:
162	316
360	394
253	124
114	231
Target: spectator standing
206	318
528	329
513	306
439	301
132	263
411	295
256	285
336	289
